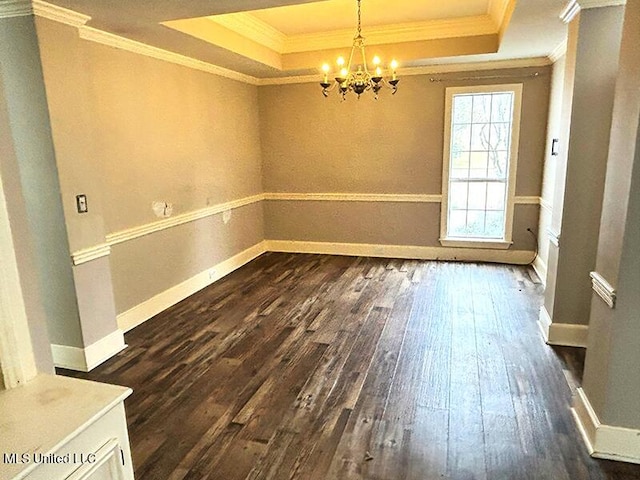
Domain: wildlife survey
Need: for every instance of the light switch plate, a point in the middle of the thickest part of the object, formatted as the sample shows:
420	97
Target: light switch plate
81	203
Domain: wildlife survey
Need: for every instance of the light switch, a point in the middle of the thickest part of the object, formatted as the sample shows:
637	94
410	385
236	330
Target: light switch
81	203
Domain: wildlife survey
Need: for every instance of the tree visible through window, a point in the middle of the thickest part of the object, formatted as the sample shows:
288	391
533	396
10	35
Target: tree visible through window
479	160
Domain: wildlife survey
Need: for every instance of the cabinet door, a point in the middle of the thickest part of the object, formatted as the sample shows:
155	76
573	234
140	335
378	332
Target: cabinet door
106	465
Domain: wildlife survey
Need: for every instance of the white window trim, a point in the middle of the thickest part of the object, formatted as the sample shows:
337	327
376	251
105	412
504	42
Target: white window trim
464	242
17	361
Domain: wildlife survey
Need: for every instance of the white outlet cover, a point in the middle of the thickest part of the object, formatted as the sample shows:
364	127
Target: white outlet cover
158	208
226	216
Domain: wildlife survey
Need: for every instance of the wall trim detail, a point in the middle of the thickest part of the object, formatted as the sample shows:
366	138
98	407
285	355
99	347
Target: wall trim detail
15	8
356	197
429	70
604	289
570	11
377	197
142	230
160	302
554	237
251	27
527	200
518	257
540	268
92	253
604	441
573	7
133	46
562	334
558	52
104	249
409	32
568	335
125	235
86	359
59	14
544	322
12	8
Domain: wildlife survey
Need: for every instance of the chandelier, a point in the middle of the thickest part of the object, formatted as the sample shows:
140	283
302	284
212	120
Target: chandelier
360	80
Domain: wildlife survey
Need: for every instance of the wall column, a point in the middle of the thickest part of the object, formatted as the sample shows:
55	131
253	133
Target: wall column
607	404
590	73
77	301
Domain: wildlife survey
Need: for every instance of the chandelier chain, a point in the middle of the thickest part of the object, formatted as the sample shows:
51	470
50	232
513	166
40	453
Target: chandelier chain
359	20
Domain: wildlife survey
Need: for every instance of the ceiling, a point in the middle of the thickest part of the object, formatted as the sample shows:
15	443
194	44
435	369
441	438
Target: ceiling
280	38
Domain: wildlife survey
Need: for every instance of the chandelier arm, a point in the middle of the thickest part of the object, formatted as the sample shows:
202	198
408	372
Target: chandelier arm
364	59
353	47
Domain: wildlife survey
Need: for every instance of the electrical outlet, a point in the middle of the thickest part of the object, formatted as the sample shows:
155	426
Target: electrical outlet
81	203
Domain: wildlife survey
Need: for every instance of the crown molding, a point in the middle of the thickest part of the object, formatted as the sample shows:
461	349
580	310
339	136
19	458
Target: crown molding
15	8
573	7
59	14
252	28
558	52
428	70
261	32
570	11
88	33
399	33
133	46
585	4
497	10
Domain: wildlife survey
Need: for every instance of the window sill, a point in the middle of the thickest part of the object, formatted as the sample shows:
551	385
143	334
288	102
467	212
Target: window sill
475	243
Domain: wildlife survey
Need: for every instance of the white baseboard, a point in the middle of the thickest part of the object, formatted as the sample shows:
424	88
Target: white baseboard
160	302
86	359
541	269
604	441
568	335
544	322
562	334
520	257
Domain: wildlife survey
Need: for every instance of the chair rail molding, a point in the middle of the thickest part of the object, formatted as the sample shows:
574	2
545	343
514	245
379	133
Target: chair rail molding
92	253
148	228
604	289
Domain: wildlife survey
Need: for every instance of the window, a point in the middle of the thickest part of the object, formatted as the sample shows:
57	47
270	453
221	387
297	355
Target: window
480	156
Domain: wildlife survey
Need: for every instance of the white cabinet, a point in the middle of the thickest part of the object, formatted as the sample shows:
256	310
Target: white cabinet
64	428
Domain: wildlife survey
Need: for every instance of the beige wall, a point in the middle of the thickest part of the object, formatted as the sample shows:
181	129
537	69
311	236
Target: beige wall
393	145
131	130
157	262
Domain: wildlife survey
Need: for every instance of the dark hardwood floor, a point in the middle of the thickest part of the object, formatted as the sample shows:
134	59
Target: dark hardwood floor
317	367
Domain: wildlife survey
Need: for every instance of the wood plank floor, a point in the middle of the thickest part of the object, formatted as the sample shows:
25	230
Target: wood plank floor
317	367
